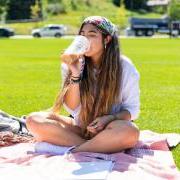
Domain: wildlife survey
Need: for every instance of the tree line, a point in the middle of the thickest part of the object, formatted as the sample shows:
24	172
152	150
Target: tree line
33	9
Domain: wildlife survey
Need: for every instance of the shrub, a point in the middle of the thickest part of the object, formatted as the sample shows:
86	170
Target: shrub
55	9
174	10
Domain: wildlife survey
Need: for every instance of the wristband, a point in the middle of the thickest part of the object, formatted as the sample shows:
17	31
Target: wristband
75	77
72	81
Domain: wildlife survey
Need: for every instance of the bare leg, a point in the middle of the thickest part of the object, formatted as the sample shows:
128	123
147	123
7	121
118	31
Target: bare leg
118	135
59	132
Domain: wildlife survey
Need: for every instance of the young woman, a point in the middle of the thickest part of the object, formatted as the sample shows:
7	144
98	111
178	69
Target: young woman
101	93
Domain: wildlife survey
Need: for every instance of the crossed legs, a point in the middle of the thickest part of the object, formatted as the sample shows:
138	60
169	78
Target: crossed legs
118	135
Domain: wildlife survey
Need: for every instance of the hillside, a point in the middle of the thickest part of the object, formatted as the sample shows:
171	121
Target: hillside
73	18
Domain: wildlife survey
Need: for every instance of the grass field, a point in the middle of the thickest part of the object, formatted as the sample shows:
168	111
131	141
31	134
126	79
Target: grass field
30	78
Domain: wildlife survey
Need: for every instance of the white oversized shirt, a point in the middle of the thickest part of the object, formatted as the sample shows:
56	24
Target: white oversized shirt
129	92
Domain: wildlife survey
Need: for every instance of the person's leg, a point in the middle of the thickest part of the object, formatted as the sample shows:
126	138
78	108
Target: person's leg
57	130
118	135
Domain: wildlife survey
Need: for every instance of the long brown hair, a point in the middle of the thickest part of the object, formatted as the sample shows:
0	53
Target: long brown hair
97	98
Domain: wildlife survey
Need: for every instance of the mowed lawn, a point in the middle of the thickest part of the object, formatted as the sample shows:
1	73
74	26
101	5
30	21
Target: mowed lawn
30	78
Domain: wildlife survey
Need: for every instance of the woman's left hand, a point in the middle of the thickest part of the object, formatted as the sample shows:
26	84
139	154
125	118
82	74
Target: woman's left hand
99	124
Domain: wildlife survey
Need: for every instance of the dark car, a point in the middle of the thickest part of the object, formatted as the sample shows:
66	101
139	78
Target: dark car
6	32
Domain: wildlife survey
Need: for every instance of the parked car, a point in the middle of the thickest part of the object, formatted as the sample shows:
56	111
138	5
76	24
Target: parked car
51	30
6	32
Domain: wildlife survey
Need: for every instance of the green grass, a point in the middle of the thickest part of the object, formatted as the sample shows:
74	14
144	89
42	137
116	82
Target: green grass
30	78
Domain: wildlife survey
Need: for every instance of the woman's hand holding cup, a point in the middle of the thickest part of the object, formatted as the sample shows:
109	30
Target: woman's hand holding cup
73	55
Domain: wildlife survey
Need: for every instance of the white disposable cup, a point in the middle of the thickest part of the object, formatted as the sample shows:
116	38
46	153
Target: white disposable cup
77	48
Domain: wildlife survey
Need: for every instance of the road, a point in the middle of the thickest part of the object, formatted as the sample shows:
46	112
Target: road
72	36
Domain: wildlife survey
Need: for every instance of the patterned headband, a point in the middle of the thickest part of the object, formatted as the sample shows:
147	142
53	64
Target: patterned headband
102	23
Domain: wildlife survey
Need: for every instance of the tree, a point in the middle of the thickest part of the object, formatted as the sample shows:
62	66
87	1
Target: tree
174	10
55	7
121	16
117	2
74	5
19	9
3	4
135	4
54	1
36	10
87	2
